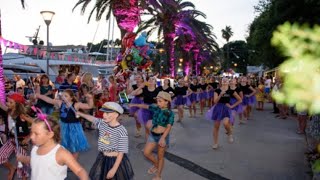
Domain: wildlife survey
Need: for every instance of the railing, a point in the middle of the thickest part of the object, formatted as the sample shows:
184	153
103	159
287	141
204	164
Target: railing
63	56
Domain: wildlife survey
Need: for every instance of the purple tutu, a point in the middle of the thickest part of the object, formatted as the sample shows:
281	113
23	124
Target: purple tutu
144	115
180	100
173	103
188	102
245	101
202	95
239	108
210	94
218	112
135	100
192	97
252	100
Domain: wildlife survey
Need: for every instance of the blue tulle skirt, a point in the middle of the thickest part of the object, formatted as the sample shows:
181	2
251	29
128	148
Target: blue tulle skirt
252	100
218	112
192	97
239	108
135	100
180	100
144	115
203	95
73	138
210	94
103	164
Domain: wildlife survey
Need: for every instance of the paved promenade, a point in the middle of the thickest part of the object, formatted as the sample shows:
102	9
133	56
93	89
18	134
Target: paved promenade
266	148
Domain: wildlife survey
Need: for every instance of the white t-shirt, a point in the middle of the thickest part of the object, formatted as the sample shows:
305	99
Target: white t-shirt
46	166
267	83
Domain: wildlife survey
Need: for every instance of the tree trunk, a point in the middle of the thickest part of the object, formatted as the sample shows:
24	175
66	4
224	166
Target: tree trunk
169	46
2	81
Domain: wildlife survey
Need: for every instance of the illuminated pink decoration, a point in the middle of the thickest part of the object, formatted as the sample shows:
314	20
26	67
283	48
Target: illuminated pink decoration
2	81
169	37
127	14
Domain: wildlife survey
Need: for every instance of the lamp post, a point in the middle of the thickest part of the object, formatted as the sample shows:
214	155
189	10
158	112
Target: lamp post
47	17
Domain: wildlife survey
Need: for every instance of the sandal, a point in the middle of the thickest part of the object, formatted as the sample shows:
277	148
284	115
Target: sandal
152	170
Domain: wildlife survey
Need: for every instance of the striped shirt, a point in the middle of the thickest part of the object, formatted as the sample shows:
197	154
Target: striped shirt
66	85
112	139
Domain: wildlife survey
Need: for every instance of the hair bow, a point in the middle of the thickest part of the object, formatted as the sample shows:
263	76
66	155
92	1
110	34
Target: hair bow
41	116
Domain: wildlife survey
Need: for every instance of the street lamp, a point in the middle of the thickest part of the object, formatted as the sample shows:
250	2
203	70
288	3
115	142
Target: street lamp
47	17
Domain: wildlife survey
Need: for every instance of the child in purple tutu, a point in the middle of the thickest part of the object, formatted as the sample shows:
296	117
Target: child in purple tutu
247	91
238	109
148	93
252	99
193	89
202	94
213	85
136	100
180	98
221	111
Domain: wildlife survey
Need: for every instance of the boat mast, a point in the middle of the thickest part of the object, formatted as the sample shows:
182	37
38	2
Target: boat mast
107	58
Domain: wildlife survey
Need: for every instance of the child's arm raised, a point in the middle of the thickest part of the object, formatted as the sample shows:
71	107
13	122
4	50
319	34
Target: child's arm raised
144	106
86	116
48	99
88	105
64	157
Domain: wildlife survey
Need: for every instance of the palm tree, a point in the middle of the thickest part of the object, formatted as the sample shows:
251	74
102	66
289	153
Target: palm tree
195	38
165	16
126	12
226	34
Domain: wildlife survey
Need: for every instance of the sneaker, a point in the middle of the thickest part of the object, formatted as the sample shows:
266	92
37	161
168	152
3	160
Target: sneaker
230	138
215	146
138	133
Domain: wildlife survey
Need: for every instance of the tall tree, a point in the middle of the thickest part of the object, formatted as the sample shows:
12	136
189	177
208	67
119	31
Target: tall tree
166	16
126	12
271	14
226	34
196	42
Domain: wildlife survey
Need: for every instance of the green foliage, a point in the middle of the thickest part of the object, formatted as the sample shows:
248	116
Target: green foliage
271	14
316	166
238	54
301	46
